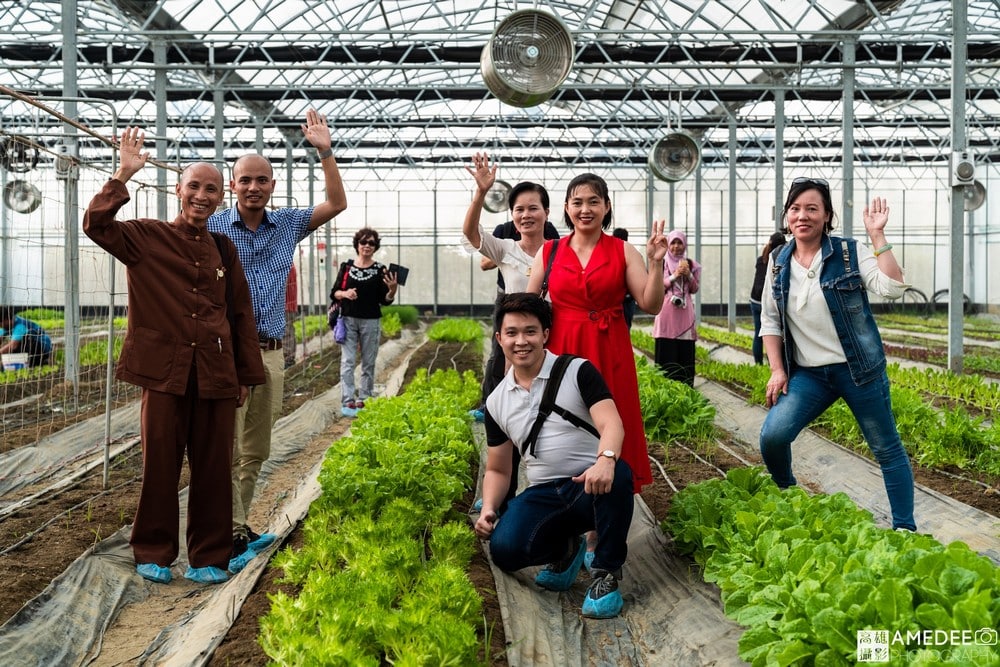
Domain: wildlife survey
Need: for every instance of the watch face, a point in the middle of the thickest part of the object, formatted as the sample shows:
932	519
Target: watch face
607	452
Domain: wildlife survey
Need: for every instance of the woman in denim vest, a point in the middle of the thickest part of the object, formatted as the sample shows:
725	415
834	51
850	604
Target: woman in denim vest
821	339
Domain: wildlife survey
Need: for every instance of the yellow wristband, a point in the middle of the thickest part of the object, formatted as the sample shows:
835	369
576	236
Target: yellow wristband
886	248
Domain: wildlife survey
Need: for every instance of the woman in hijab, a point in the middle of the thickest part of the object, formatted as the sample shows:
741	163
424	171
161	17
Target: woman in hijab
674	327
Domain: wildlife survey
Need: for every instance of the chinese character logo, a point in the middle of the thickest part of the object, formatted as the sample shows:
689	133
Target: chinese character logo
873	646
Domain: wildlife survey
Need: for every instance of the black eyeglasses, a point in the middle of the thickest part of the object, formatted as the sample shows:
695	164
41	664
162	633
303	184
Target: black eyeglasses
822	182
368	242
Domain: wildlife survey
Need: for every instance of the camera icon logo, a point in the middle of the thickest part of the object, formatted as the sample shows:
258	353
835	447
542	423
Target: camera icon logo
986	637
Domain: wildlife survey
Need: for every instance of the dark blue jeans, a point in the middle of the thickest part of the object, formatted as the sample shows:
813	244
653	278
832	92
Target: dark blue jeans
811	390
757	346
540	520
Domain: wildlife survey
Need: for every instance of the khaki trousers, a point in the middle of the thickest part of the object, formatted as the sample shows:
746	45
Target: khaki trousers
252	434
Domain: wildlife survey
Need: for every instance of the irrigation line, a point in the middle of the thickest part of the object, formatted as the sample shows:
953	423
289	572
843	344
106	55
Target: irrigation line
728	450
454	364
711	465
966	479
27	538
664	473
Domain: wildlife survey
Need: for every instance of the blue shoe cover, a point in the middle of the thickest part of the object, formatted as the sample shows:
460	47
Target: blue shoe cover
588	560
153	572
206	575
607	606
237	563
348	412
262	542
562	580
603	600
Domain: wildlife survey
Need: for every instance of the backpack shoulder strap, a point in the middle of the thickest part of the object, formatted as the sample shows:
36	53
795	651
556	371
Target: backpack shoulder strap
548	405
548	268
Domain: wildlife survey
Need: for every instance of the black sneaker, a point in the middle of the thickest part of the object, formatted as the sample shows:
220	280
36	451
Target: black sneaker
602	599
241	554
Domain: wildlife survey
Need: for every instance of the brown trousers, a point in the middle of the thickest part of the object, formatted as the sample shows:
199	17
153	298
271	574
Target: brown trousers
203	428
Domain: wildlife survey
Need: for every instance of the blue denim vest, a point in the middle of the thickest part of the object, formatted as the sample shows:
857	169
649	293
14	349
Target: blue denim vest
847	298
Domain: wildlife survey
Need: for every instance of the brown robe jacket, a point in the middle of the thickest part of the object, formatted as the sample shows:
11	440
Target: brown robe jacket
177	310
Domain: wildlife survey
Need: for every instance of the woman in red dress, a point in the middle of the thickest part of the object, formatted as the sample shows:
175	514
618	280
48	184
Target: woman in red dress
588	280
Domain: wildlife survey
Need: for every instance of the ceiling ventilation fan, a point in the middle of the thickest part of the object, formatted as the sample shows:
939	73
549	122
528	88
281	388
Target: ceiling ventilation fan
974	195
17	155
527	58
496	197
21	196
674	157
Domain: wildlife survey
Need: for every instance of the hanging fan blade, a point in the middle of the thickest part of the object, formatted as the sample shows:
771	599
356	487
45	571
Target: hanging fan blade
22	196
527	58
17	155
496	197
674	157
974	195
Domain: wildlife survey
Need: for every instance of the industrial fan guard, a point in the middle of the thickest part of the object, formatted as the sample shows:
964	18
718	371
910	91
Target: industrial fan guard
496	197
21	196
527	58
974	195
674	157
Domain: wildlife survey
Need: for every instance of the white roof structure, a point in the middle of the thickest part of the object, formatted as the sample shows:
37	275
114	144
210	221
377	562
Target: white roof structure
401	81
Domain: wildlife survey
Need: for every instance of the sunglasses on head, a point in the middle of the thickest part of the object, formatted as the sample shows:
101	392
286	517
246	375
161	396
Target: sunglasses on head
367	242
822	182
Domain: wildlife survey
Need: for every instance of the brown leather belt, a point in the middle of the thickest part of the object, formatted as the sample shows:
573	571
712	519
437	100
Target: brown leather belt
270	343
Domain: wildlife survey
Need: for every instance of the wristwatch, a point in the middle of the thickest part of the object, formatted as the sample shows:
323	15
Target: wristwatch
610	454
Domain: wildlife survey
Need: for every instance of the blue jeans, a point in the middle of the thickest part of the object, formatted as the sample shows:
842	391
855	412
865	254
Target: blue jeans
757	347
540	521
811	390
366	334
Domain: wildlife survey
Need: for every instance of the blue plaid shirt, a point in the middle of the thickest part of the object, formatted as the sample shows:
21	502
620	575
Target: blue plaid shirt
266	256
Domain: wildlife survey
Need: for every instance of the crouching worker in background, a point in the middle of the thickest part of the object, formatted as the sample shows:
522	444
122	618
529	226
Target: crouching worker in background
570	436
25	337
192	346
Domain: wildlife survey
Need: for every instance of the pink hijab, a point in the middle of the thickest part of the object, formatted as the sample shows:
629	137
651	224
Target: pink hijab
671	260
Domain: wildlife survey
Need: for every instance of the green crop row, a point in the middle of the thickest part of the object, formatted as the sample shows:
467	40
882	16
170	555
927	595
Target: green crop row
381	577
808	576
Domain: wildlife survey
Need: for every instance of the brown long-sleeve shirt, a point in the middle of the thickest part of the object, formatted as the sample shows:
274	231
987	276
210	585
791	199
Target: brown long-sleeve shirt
177	311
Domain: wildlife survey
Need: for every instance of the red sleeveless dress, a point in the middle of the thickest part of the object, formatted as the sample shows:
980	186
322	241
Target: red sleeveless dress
588	321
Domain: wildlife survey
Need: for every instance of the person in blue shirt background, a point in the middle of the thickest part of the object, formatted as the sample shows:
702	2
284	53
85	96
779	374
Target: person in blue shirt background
24	336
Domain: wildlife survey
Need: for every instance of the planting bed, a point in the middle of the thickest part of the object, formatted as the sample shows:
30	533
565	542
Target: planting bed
64	526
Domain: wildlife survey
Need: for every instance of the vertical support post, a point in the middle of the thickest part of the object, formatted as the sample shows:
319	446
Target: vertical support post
71	195
779	159
847	102
956	286
731	298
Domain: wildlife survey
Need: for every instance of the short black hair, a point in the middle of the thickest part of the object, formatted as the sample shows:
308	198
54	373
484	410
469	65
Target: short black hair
7	313
528	186
525	303
620	233
366	233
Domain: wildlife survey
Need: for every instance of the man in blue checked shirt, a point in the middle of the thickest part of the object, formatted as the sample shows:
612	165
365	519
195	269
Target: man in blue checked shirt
266	242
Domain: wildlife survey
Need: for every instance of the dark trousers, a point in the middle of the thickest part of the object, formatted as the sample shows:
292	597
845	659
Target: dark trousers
538	523
676	359
203	428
